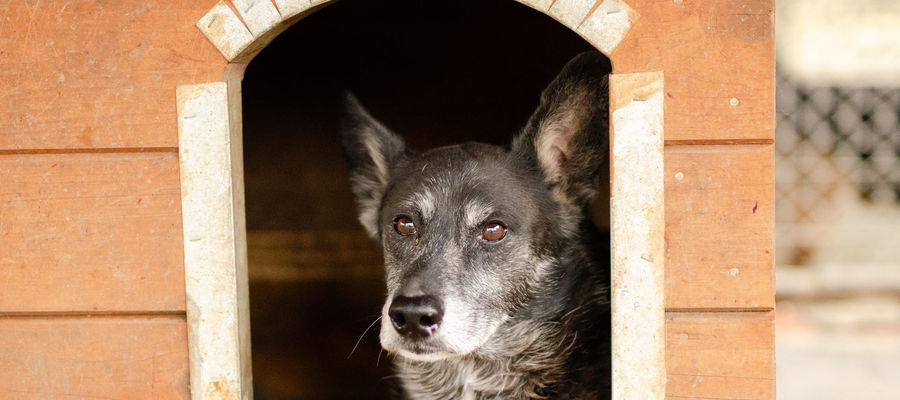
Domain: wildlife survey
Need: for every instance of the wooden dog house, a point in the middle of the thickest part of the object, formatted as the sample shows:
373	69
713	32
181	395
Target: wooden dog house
122	237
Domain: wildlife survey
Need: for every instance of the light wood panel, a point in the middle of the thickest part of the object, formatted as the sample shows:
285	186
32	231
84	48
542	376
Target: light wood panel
719	227
98	74
90	232
637	223
94	358
720	355
719	64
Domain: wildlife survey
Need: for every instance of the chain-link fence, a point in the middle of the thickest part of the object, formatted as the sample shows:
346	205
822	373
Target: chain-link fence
831	143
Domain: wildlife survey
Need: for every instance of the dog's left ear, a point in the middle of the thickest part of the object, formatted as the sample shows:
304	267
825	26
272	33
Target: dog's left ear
568	135
372	154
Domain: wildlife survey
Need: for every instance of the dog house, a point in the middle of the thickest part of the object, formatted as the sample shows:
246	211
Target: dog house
123	245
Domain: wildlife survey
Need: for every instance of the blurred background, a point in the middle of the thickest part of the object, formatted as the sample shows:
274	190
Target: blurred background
837	193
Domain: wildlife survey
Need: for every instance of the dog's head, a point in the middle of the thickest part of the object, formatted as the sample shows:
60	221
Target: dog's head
472	233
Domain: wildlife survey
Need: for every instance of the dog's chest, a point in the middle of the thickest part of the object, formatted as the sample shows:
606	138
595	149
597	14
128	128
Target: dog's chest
469	380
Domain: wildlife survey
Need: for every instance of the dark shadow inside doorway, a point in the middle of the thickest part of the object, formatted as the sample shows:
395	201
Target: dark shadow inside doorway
435	72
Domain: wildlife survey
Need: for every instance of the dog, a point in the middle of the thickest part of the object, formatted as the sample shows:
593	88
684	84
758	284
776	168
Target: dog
495	285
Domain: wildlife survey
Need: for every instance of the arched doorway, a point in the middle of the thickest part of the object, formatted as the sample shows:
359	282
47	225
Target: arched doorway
316	279
217	292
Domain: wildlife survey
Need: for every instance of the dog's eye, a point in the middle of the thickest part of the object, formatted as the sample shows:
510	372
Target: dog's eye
404	226
493	231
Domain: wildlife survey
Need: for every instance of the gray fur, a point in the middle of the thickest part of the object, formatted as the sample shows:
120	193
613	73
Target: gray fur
526	317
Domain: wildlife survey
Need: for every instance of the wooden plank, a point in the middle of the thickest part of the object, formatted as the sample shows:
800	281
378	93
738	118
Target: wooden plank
719	227
637	217
719	61
313	255
258	15
98	74
103	358
90	232
720	355
226	30
215	241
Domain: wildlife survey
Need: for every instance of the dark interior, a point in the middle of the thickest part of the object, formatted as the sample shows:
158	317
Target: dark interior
436	73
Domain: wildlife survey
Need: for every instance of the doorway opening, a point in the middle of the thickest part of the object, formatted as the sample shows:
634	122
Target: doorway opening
436	73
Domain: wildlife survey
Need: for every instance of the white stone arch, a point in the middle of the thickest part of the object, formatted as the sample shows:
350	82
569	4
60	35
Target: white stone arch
240	35
211	165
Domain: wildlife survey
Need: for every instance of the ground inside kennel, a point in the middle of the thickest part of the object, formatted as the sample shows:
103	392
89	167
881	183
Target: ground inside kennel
97	257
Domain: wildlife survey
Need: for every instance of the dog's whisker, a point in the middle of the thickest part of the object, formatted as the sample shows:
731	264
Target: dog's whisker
367	317
361	336
388	377
378	360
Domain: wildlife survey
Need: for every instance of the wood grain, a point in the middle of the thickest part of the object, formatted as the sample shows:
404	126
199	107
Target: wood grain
91	73
93	358
90	232
719	227
719	64
313	255
720	355
101	232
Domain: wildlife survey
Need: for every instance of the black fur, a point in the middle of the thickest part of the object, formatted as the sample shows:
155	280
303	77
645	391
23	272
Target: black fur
524	317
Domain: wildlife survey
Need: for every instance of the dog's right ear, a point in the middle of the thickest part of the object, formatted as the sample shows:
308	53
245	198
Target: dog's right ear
372	152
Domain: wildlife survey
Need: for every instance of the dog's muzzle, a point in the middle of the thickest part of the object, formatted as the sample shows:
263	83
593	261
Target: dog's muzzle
416	317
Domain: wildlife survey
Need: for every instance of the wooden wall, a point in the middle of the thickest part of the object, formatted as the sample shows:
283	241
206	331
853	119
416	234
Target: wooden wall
91	272
719	64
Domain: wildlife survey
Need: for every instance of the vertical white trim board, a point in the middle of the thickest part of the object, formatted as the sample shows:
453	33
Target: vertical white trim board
215	257
638	242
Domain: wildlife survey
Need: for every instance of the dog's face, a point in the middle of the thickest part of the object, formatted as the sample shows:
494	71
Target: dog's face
460	227
471	232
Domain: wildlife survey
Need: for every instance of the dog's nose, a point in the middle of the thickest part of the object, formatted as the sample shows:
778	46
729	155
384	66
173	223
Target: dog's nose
416	317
